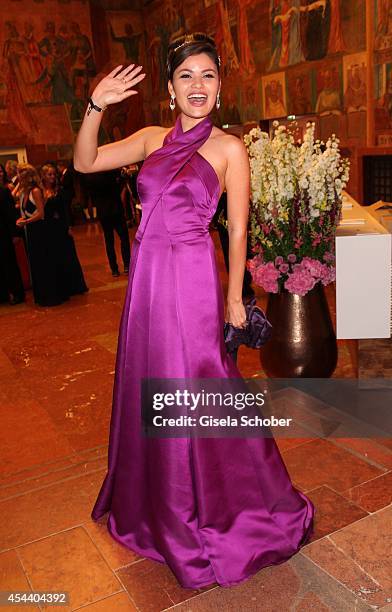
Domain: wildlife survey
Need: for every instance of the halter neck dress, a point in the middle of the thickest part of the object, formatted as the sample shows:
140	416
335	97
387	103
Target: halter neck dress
212	509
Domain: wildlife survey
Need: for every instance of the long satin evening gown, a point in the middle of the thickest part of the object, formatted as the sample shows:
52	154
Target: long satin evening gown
213	509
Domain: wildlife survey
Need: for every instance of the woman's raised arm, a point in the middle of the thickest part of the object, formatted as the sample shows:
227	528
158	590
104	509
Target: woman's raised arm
88	157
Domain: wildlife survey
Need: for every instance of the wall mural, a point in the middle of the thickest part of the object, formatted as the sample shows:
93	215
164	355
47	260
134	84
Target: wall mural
279	57
383	24
274	96
300	88
329	89
163	23
354	82
126	37
47	61
304	31
383	70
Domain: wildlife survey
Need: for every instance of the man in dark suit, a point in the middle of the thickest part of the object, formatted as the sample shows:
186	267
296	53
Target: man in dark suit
105	193
11	285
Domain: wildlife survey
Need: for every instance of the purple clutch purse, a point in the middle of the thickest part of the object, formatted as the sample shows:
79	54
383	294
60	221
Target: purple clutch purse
256	333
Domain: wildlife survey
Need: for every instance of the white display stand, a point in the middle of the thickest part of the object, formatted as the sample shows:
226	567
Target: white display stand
363	275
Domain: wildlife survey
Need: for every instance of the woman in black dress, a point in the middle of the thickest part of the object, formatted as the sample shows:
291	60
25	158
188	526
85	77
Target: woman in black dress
48	289
61	242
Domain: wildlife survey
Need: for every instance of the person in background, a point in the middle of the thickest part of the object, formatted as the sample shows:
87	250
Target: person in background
11	169
83	196
11	285
67	187
90	210
47	289
129	195
105	193
19	236
61	243
4	180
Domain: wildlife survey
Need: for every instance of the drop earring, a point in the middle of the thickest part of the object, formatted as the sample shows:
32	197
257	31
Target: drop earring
172	104
218	101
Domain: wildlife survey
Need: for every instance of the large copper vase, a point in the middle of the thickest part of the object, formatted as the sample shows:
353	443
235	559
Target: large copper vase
303	342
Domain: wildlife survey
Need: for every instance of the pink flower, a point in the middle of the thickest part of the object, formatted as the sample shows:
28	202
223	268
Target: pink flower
316	241
292	258
314	266
329	275
307	273
279	260
300	282
284	268
266	276
254	263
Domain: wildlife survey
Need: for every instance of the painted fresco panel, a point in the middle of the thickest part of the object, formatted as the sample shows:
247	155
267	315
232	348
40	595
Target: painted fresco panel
354	82
279	57
274	96
383	95
329	88
300	91
48	61
251	105
126	37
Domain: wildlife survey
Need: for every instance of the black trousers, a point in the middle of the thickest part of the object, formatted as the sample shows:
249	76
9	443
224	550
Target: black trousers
116	223
10	277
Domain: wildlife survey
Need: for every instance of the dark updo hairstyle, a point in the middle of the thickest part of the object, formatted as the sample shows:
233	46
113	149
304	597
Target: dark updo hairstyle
190	44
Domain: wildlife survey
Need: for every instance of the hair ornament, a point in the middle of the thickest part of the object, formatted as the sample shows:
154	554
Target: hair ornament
189	38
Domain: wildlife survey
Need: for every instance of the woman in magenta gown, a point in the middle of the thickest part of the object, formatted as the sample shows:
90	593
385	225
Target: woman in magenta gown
212	509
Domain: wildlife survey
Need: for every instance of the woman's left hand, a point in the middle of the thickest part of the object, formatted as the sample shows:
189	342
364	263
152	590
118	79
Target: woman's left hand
236	314
21	221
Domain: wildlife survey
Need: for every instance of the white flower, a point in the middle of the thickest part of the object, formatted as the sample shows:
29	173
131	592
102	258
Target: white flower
280	170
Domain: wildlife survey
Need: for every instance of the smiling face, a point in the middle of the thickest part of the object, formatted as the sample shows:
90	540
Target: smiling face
49	177
195	84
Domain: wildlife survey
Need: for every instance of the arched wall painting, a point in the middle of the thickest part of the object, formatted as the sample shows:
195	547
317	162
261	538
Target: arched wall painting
48	62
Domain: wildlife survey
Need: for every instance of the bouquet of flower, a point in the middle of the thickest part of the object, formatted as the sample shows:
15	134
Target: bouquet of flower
296	207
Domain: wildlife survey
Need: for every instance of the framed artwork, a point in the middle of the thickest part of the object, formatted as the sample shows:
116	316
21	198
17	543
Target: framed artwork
274	95
328	86
300	91
354	82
